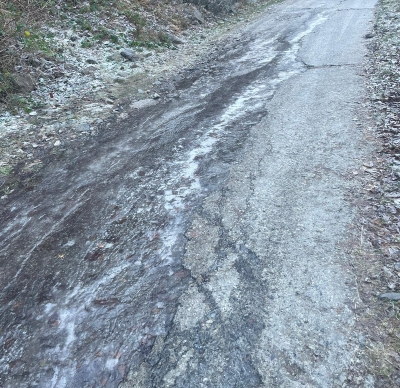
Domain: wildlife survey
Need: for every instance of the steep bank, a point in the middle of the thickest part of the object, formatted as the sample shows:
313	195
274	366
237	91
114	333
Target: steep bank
77	77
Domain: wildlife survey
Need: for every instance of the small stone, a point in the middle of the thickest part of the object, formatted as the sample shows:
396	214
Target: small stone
143	103
23	83
197	15
84	127
34	62
91	61
129	54
57	143
174	39
391	296
58	74
114	58
369	36
89	70
156	96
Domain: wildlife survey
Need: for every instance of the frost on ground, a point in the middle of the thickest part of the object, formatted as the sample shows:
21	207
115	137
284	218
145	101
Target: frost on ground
86	80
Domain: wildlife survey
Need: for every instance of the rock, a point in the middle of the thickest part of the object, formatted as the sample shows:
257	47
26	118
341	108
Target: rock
91	61
34	62
58	74
197	15
129	54
84	127
57	143
369	36
23	83
391	296
397	266
143	103
156	96
123	74
115	58
173	38
89	70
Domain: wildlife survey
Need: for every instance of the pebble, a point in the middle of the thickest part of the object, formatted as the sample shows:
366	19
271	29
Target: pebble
57	143
84	127
391	296
129	54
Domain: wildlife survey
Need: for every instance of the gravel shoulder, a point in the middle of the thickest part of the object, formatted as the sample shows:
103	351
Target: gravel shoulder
375	247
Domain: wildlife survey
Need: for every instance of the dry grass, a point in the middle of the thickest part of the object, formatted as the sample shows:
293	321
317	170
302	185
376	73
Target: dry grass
18	18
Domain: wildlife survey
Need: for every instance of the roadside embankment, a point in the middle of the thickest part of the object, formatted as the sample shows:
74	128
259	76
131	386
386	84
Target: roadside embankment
78	66
377	242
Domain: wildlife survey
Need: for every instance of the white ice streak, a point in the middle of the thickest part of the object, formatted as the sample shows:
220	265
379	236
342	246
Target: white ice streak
253	98
70	314
322	18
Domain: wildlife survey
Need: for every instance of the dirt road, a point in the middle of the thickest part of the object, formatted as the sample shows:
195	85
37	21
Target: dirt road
199	242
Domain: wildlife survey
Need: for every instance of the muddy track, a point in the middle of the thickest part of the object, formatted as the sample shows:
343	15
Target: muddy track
197	242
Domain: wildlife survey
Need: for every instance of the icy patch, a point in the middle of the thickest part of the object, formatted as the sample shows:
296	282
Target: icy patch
111	363
322	18
260	52
49	307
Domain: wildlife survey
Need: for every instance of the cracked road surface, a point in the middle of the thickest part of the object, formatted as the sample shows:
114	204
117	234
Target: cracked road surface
200	242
